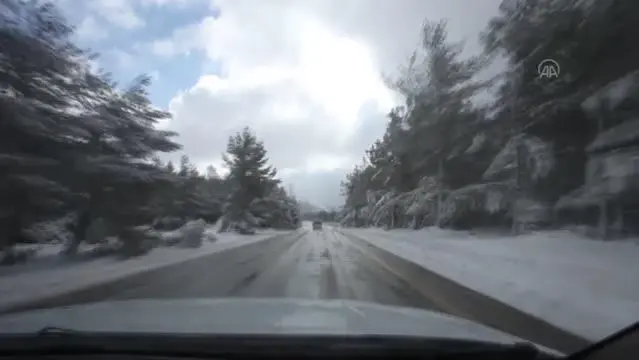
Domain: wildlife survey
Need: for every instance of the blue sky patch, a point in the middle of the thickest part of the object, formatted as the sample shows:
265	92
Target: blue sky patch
125	50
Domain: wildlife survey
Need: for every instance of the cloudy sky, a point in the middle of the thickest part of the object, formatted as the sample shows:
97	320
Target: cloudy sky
306	75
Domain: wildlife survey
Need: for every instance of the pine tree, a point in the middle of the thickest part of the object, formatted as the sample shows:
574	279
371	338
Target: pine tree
250	177
37	131
529	144
170	167
422	150
116	167
70	140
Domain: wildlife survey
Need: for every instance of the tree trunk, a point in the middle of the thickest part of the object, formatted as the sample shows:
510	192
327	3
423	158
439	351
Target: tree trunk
619	221
522	177
440	176
602	224
13	234
392	218
416	222
79	230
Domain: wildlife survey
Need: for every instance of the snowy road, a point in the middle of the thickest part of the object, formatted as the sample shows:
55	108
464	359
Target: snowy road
326	264
316	265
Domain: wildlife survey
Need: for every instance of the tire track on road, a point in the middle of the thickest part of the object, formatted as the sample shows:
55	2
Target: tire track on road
384	285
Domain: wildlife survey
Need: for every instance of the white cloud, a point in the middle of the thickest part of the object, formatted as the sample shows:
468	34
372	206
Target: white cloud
179	3
90	30
306	75
164	48
326	162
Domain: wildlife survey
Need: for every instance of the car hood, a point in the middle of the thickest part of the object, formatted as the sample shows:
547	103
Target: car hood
252	316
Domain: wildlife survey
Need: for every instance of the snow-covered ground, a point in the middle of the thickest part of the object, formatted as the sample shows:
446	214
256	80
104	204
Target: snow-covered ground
585	286
20	287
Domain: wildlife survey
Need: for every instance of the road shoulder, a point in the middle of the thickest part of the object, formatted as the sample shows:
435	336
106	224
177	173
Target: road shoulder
458	300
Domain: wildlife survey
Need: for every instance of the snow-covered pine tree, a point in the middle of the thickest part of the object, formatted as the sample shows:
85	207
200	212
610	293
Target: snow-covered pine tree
116	166
37	131
591	40
250	178
70	140
424	139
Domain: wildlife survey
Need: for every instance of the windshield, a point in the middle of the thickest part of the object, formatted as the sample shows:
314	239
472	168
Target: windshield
473	158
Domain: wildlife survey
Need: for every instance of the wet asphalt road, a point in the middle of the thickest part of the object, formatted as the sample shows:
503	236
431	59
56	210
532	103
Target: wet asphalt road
312	265
325	264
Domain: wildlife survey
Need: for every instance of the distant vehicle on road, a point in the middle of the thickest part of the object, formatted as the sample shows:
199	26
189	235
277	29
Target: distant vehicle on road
317	225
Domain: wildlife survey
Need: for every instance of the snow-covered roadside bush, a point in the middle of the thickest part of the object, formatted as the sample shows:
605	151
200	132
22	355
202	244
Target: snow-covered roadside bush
96	232
210	236
169	238
193	233
137	240
55	231
14	255
168	223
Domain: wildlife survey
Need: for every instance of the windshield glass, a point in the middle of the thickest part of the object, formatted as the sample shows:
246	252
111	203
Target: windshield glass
473	158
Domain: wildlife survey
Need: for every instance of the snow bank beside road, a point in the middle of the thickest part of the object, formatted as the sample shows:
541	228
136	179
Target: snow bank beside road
587	287
19	288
